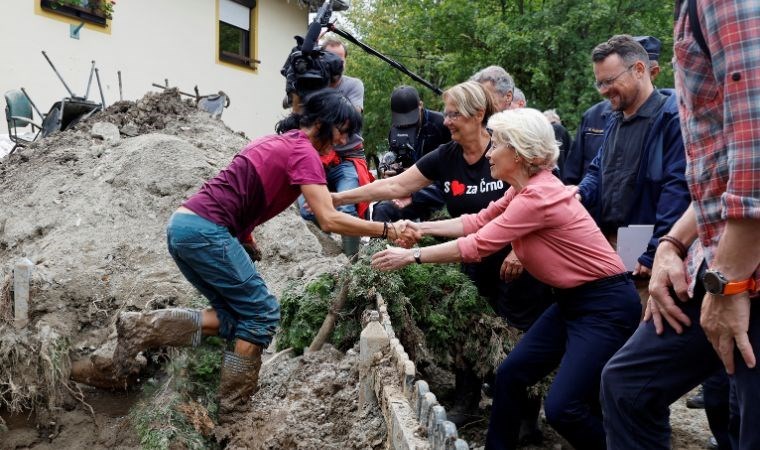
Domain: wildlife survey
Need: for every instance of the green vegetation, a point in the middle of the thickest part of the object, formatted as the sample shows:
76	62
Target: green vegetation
178	409
435	309
545	45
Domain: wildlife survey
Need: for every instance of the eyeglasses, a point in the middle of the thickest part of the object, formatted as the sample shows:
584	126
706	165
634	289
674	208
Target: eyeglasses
452	115
610	81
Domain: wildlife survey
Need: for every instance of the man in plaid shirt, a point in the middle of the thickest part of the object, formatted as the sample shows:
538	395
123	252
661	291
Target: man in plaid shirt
717	286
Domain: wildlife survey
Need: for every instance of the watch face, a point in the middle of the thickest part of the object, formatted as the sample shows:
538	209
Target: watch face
417	252
713	282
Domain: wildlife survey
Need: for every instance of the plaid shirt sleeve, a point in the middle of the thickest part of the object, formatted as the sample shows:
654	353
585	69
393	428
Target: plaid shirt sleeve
719	104
737	26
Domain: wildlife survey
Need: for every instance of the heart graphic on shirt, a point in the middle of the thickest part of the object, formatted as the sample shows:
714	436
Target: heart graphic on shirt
457	188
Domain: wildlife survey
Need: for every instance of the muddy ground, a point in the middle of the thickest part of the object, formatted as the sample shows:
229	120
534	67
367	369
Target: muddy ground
88	207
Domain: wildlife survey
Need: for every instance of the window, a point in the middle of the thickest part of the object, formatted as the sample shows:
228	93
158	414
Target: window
92	11
237	32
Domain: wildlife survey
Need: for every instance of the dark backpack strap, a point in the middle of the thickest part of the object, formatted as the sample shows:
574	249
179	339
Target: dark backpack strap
696	29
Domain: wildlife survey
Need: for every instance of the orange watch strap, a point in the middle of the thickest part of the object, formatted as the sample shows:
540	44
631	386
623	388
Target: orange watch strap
737	287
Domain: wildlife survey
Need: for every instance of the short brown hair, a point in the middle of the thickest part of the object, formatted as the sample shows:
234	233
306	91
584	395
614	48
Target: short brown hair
334	42
624	46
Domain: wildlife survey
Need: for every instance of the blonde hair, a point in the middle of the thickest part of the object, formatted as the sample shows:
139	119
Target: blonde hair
530	133
469	98
552	115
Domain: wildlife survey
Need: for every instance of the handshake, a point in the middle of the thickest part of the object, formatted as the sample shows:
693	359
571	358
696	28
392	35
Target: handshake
407	233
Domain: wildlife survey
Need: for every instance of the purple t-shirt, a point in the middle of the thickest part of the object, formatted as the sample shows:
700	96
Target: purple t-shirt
260	182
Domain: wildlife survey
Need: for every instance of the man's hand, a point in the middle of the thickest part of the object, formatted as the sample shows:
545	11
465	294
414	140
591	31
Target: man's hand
407	233
511	268
667	271
725	320
574	189
641	271
391	259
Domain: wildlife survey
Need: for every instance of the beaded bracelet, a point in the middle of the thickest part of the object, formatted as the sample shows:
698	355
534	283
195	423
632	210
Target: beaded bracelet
681	249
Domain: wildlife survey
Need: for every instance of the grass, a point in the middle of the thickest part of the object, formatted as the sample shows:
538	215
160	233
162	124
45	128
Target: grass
177	408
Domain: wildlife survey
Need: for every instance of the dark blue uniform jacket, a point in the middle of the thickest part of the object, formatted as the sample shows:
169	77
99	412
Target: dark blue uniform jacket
662	192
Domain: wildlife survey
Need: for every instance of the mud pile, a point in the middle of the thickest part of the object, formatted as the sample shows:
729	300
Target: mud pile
90	215
310	402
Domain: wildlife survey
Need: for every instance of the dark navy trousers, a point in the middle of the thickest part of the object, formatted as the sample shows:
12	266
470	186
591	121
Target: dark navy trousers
650	372
578	333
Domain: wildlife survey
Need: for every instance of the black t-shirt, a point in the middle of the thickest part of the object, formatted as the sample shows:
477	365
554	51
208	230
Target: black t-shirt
433	133
467	188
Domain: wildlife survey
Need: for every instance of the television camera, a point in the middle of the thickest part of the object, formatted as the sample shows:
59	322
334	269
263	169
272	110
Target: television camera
309	68
401	152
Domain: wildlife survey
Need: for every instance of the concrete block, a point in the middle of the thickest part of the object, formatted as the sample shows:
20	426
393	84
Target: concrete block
407	381
403	428
435	420
420	389
22	277
445	435
461	444
372	340
428	401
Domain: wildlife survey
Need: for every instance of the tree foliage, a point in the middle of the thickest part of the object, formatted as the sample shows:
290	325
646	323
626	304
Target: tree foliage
544	44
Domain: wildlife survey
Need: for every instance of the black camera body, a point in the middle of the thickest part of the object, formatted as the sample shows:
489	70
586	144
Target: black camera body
401	149
308	68
306	73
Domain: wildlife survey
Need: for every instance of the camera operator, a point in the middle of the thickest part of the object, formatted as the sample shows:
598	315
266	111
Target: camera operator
345	165
415	131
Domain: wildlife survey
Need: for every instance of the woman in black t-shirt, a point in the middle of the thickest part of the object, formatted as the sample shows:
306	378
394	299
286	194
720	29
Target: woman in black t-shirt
459	167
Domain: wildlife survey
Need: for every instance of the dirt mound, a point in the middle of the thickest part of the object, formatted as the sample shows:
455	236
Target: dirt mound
310	402
90	215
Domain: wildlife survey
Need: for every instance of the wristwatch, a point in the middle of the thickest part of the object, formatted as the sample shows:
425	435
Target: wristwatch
417	252
716	283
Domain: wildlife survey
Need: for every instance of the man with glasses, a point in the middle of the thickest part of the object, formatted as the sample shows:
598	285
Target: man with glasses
637	176
590	133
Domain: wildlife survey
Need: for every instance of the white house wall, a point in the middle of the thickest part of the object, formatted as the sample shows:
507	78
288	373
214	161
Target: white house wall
150	40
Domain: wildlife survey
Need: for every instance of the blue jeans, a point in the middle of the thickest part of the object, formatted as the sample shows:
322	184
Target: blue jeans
339	178
578	333
650	372
215	263
717	392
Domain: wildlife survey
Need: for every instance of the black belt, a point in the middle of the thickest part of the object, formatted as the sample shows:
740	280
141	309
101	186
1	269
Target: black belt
596	284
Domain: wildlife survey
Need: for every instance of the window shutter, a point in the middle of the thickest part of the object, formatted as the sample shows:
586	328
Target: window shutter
233	13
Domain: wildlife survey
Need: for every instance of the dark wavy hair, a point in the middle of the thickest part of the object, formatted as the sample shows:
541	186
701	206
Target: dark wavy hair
327	107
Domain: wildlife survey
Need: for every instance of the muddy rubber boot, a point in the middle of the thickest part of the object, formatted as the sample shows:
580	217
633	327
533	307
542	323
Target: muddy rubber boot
350	245
239	380
163	327
466	398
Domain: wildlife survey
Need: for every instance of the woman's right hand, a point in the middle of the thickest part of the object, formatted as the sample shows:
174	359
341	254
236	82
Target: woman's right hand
511	268
407	233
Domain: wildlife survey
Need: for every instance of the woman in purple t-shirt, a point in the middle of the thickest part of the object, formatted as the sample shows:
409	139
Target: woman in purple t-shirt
209	237
596	307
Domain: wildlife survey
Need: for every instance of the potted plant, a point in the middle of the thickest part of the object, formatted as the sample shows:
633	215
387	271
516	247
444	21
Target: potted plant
95	11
